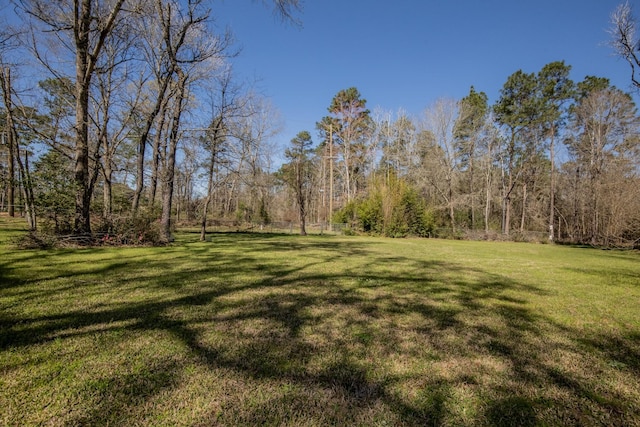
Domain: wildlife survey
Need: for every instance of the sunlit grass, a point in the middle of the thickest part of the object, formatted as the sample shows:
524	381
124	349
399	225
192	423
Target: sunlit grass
255	329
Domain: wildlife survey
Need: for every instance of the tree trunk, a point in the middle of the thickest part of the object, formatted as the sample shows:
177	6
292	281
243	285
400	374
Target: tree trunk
6	91
14	155
303	225
452	217
506	226
12	179
552	187
144	136
26	187
205	209
82	222
594	211
511	150
207	202
471	194
524	206
142	143
167	194
507	215
155	165
155	159
107	191
302	205
347	175
169	175
85	62
487	204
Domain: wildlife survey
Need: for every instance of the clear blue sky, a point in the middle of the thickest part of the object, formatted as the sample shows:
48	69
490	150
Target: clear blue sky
408	53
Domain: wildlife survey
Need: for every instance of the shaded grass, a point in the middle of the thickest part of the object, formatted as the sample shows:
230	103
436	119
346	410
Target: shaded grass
252	329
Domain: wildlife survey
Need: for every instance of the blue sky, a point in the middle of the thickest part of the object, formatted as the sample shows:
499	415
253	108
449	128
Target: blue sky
408	53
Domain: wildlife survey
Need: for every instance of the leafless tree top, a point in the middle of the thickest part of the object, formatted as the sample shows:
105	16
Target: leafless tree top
624	38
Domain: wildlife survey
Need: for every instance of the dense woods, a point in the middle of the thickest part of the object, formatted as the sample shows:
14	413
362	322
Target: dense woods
138	122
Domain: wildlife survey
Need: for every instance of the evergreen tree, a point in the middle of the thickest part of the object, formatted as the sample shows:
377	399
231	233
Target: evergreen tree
518	112
54	191
467	132
556	89
298	173
351	125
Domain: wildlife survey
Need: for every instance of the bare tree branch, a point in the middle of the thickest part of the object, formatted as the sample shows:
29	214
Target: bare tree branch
624	38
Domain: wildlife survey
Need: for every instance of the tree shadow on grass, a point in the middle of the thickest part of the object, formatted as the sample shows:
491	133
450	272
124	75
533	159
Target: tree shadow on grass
511	411
113	397
359	346
620	352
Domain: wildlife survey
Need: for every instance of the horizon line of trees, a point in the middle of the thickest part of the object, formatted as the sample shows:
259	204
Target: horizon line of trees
140	123
549	156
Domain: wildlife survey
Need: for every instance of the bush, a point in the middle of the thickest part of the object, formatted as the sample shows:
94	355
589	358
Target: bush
142	229
346	215
369	215
392	208
348	231
412	216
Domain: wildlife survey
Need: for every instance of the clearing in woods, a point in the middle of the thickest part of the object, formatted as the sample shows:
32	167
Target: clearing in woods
251	329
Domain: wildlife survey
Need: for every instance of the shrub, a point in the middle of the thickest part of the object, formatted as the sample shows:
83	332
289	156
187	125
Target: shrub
369	215
54	192
392	208
141	229
346	215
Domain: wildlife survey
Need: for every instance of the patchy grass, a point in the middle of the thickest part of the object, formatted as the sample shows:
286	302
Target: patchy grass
258	329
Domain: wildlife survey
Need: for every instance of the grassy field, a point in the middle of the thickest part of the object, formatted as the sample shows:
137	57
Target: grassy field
258	329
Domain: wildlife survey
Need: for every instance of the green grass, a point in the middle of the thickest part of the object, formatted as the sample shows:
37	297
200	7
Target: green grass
258	329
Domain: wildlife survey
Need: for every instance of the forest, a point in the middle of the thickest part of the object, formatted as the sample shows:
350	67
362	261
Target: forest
132	122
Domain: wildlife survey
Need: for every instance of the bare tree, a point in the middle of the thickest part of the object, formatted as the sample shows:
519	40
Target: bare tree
10	135
440	120
165	49
489	145
604	139
7	40
187	168
255	132
395	138
624	38
175	38
227	105
112	116
14	147
286	9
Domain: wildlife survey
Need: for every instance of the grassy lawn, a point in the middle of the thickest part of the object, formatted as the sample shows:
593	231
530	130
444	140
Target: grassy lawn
258	329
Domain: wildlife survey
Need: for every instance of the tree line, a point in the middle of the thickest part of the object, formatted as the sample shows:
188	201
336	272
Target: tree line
140	122
550	155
